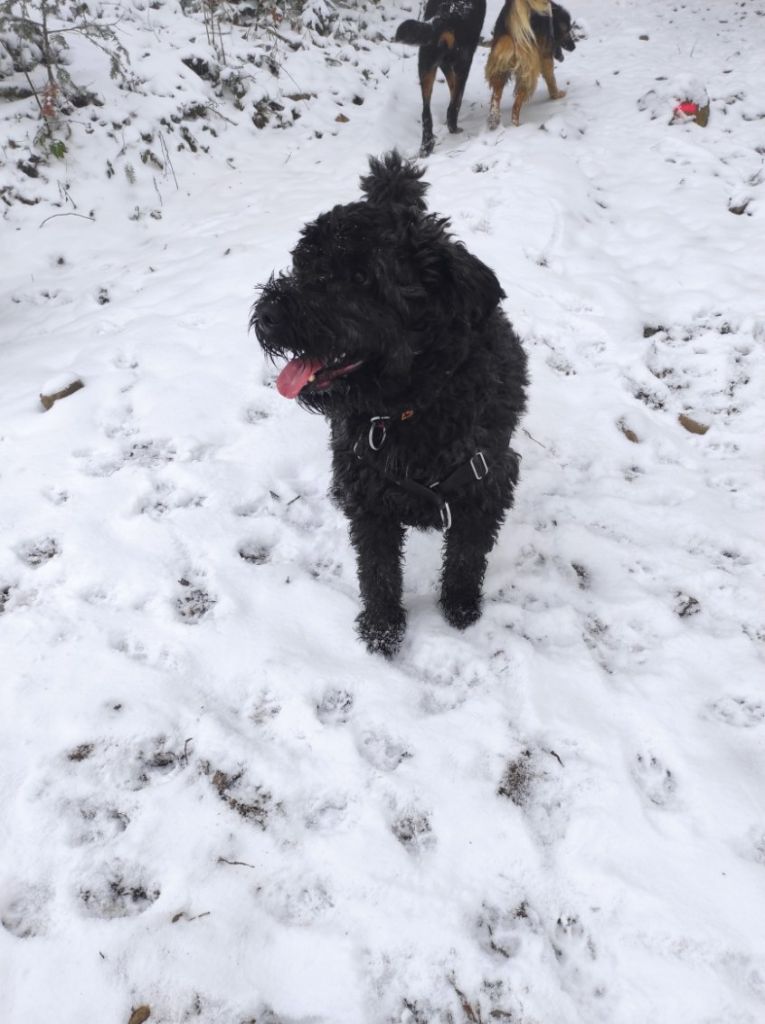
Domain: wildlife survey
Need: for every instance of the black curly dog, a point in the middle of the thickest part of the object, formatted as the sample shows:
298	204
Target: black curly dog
394	332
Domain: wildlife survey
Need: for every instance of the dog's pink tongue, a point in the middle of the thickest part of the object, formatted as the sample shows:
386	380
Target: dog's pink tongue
296	375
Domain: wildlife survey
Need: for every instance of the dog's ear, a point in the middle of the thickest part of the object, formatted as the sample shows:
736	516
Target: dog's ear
475	290
464	286
394	181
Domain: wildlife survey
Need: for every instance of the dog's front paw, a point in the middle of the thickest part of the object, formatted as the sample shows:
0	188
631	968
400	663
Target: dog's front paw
461	611
381	635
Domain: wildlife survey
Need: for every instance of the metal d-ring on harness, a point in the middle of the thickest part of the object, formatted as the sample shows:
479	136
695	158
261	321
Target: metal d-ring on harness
476	468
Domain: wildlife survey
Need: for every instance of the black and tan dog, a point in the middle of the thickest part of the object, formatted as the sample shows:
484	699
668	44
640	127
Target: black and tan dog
528	36
394	332
447	39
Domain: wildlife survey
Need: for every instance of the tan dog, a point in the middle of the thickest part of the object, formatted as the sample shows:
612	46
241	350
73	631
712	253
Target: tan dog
528	35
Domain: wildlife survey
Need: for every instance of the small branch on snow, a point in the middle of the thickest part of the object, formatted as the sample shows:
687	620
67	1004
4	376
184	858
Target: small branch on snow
534	439
166	154
236	863
84	216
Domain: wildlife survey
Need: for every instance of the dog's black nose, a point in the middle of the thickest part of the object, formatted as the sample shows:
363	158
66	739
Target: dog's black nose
267	318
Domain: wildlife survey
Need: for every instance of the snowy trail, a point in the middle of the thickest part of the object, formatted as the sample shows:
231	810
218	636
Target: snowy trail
216	803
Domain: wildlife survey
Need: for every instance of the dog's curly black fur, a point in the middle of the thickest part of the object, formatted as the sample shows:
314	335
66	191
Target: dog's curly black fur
385	315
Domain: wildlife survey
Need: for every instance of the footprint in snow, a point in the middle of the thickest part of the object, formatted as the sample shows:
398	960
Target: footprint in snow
324	568
381	751
254	552
194	602
150	454
24	910
327	813
165	498
89	822
740	712
5	596
37	552
335	707
125	765
413	830
253	414
501	931
117	890
654	780
533	780
577	958
297	901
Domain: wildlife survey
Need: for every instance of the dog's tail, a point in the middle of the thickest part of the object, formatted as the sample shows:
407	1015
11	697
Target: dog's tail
514	47
518	25
423	33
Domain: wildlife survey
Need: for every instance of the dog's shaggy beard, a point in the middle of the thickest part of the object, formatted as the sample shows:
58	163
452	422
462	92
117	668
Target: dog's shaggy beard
363	354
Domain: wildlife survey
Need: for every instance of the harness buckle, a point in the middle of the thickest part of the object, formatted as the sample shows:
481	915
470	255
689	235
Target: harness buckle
479	465
446	516
378	432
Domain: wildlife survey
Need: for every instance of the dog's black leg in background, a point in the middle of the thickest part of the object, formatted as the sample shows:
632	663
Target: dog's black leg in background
456	79
379	545
427	72
466	548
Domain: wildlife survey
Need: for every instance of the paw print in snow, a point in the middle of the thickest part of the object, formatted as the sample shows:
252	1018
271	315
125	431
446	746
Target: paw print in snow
23	913
740	712
335	707
118	892
37	553
654	781
577	958
254	553
414	831
194	602
381	751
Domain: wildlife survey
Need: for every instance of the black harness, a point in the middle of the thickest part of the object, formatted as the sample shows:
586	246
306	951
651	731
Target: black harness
372	441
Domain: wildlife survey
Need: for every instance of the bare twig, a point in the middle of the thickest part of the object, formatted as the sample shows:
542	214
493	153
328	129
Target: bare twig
168	160
534	439
34	93
84	216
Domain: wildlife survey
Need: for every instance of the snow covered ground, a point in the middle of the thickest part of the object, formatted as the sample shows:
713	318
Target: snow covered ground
216	806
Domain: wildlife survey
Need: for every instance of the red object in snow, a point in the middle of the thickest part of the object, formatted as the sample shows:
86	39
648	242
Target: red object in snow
688	108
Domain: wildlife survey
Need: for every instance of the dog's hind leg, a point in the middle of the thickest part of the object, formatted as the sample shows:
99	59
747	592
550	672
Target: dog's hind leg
427	79
548	73
500	63
497	83
521	95
456	79
466	548
379	545
526	79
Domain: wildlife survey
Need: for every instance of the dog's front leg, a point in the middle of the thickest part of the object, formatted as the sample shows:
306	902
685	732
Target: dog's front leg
379	544
548	73
466	548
